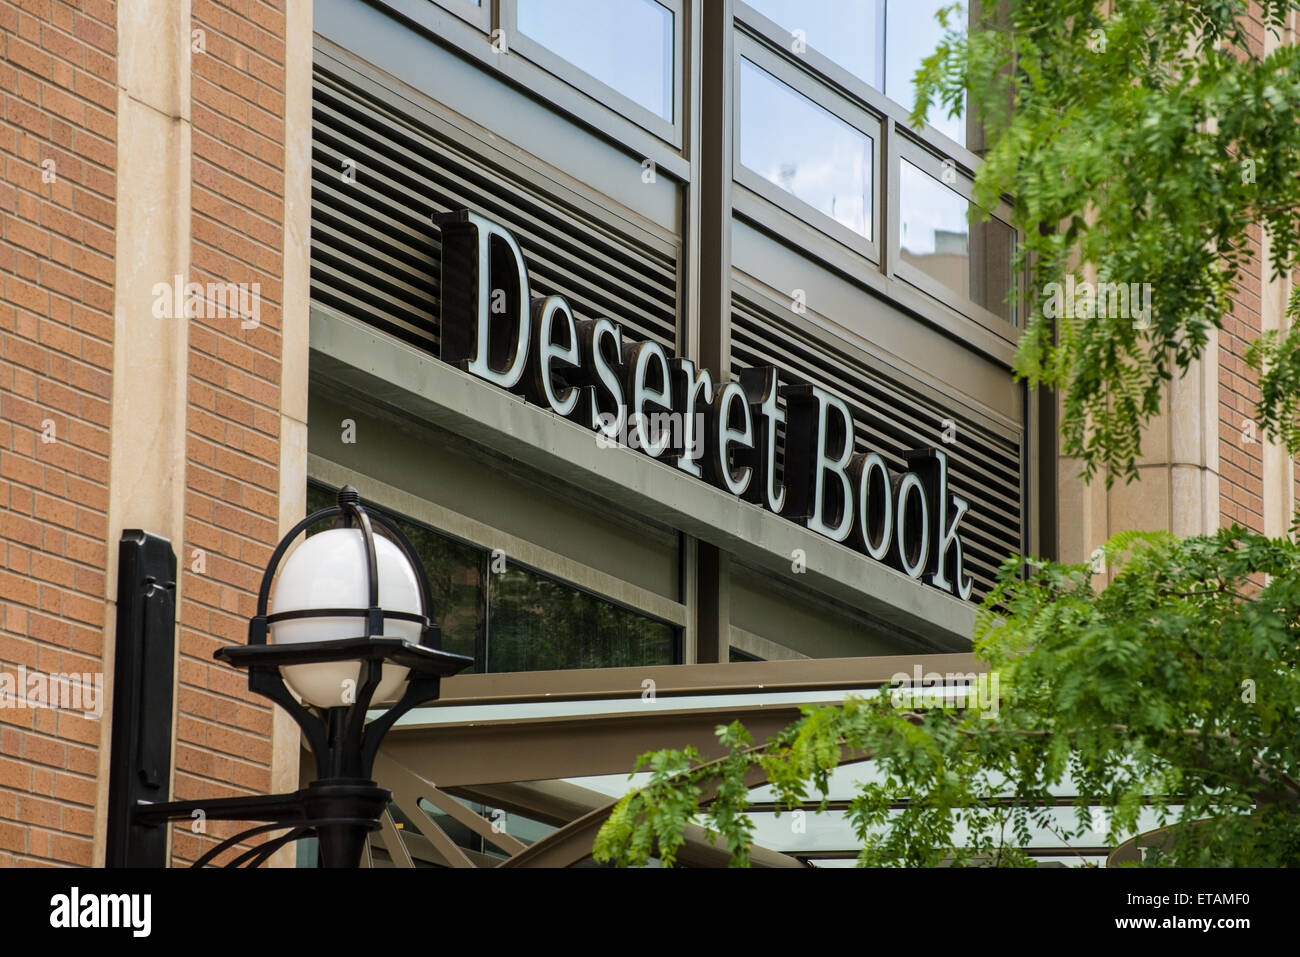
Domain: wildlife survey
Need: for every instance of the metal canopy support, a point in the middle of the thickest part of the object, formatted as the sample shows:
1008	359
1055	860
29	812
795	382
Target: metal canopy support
525	732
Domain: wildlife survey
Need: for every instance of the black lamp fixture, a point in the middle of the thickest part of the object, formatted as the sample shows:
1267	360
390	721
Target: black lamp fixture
320	631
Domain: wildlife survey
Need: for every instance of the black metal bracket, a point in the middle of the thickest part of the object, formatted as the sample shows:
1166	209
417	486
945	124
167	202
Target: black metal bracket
345	805
143	676
343	745
347	809
340	808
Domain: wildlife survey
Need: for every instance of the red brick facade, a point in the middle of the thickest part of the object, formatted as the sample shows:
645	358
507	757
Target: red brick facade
59	83
1241	453
57	146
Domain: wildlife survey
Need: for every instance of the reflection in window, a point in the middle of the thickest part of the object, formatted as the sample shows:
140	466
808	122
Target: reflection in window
848	32
805	149
625	44
518	620
539	624
882	42
972	259
455	571
912	33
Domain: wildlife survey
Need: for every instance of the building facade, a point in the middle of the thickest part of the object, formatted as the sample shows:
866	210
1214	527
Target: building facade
656	325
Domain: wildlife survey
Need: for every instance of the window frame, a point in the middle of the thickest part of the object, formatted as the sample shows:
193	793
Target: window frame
670	131
861	120
749	22
927	161
480	14
778	36
471	42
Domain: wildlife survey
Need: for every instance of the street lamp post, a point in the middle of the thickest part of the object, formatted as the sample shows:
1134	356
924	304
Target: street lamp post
345	625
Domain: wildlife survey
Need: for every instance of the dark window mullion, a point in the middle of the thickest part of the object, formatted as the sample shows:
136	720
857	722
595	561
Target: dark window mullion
481	654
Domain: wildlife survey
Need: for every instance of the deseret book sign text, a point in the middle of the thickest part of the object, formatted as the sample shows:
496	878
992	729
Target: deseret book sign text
587	371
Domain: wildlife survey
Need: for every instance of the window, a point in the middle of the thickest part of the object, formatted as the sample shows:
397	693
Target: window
539	624
628	46
935	236
809	133
457	586
805	150
881	42
519	619
912	33
848	32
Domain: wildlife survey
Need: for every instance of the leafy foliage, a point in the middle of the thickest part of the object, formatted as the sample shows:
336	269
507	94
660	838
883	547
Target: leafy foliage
1274	358
1173	690
1138	141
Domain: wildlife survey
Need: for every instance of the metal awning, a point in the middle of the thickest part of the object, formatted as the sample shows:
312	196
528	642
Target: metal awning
545	757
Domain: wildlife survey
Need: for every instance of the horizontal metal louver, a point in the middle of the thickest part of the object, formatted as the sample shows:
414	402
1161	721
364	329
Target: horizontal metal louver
378	177
891	415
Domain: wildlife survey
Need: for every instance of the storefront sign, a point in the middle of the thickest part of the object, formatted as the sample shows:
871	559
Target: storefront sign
586	370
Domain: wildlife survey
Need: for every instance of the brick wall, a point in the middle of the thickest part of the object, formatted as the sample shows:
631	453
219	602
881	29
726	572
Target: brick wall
1241	454
59	86
223	742
57	147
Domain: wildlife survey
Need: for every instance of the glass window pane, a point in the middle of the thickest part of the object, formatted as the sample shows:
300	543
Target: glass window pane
805	149
455	573
935	236
625	44
539	624
912	33
849	32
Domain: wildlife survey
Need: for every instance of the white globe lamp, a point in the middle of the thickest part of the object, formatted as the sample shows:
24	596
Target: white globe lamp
328	571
